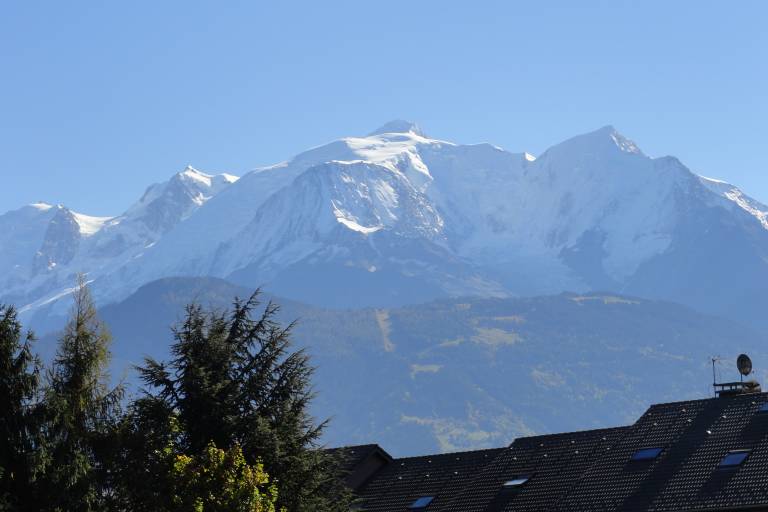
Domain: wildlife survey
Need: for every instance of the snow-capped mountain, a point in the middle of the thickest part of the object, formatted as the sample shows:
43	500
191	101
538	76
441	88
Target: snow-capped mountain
45	246
398	217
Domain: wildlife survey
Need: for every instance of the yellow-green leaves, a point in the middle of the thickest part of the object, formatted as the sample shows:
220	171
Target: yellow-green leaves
221	481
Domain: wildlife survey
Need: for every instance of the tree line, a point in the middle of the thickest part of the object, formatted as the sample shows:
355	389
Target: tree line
221	425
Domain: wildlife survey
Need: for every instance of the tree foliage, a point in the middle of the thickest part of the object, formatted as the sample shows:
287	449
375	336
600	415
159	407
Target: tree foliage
234	380
221	426
81	411
221	481
19	422
145	445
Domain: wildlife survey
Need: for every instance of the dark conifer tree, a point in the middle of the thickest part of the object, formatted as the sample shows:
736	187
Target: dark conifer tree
235	380
81	411
19	423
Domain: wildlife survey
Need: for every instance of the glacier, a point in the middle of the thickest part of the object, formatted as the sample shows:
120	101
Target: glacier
397	217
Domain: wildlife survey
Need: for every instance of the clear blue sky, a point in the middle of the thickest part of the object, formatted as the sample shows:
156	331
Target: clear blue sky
100	99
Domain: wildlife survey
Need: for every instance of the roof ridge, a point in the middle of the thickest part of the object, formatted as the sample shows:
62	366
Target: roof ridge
575	432
743	396
449	454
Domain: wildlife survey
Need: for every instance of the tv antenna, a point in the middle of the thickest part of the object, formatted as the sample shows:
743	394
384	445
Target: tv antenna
715	360
725	389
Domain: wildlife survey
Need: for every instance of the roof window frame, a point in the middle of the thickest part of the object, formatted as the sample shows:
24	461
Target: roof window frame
516	481
736	455
421	503
639	455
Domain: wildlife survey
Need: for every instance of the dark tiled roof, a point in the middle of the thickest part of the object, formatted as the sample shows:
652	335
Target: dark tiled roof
403	481
360	463
696	435
553	464
353	456
594	471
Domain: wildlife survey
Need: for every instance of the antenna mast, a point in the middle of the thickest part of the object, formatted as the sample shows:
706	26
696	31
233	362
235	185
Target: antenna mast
714	359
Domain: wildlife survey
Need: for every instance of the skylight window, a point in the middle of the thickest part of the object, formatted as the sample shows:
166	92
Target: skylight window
647	453
516	481
763	407
734	458
421	503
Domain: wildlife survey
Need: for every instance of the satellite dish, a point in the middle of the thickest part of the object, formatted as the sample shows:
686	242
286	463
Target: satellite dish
744	364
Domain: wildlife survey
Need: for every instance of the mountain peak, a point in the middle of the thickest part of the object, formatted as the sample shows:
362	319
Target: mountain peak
191	172
620	141
605	140
41	206
200	178
398	126
623	143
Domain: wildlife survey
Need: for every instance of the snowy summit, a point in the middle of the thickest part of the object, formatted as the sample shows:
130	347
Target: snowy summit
397	217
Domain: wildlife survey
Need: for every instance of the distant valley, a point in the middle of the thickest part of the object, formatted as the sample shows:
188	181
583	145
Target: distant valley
451	375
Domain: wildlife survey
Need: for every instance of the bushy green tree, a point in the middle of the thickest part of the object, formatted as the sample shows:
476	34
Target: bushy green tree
235	380
221	481
152	472
19	423
81	412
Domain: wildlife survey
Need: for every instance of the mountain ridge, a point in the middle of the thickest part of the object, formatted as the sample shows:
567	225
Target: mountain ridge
400	214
